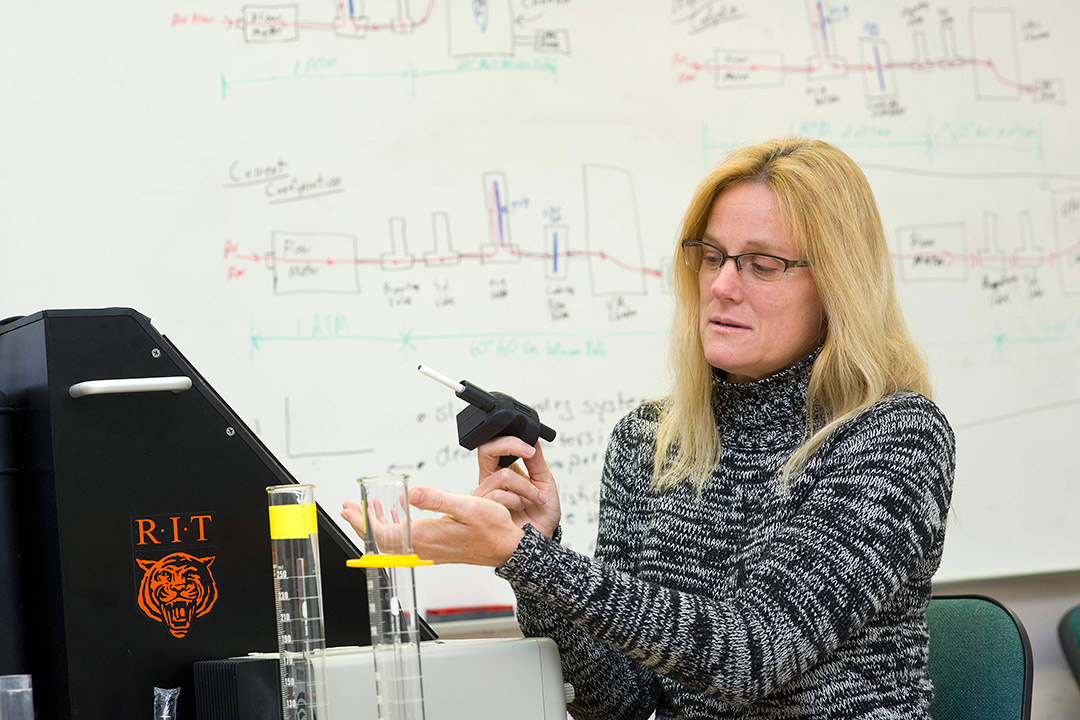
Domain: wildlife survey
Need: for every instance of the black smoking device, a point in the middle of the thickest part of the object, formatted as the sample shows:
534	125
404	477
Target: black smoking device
490	415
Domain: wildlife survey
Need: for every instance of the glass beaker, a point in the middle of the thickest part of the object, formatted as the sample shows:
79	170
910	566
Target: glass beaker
389	563
294	537
16	697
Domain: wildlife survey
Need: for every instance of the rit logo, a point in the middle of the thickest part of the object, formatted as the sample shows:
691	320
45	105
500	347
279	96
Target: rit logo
182	529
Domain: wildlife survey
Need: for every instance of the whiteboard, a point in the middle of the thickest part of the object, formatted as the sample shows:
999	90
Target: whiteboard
311	198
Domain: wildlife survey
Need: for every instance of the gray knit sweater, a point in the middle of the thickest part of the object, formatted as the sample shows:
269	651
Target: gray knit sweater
754	602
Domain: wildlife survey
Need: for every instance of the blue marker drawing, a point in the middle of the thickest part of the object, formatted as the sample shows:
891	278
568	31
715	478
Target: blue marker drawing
555	252
499	211
481	14
821	26
352	11
877	64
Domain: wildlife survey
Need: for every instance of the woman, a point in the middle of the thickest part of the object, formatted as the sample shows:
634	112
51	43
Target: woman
768	532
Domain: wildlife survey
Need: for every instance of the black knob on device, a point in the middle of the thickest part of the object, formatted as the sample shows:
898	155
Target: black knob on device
504	416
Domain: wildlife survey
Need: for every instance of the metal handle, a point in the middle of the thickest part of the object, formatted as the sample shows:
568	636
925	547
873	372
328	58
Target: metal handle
176	384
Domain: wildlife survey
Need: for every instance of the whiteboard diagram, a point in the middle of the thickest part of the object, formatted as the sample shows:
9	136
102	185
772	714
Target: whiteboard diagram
312	197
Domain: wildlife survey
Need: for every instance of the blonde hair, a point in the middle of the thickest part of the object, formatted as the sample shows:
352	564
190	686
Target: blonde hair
826	204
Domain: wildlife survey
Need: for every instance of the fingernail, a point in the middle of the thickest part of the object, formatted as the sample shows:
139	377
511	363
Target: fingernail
418	496
543	498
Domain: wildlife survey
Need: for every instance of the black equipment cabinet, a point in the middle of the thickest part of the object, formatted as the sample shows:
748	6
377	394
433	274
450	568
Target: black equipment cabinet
12	642
114	488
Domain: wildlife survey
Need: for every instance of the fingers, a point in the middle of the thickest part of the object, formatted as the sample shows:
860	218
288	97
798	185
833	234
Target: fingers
489	453
464	509
471	530
428	498
354	516
375	510
508	485
537	466
380	534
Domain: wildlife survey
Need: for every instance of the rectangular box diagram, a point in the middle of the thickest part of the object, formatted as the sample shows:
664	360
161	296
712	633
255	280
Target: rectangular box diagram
612	232
879	80
500	247
739	69
271	23
552	41
1067	238
932	252
556	246
480	28
993	45
306	262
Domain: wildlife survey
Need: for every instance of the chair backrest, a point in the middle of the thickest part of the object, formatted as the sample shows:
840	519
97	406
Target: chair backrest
1069	634
980	660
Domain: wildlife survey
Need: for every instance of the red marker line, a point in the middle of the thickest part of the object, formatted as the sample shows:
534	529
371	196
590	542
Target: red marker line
257	257
345	23
907	65
975	258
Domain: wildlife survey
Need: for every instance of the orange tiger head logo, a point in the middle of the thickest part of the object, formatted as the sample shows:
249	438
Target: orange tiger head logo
177	589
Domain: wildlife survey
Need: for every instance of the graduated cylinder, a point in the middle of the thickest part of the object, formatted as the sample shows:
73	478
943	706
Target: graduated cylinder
389	562
294	538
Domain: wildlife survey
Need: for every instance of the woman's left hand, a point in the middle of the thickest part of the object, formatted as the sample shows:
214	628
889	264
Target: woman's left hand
472	530
531	497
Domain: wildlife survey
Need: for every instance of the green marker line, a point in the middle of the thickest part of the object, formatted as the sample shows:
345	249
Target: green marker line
324	76
454	336
411	74
406	339
1032	340
526	335
548	69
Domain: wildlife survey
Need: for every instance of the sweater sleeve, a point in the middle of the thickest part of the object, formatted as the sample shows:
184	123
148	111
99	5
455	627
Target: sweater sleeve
608	685
875	512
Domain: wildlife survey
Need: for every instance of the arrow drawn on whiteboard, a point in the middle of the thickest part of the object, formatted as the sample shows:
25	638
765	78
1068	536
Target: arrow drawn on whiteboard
592	344
396	468
521	19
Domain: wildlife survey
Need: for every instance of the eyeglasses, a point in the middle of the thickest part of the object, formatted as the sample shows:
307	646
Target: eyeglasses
705	258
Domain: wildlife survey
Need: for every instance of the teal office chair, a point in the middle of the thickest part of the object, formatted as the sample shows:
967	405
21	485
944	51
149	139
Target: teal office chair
1069	634
980	660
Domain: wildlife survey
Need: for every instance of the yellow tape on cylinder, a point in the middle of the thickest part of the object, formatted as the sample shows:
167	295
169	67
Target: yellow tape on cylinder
293	522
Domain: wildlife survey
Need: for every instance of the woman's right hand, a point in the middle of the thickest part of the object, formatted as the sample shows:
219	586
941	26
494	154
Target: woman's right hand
531	497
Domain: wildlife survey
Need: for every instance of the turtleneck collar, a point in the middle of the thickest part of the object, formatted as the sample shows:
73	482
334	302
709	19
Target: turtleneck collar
770	412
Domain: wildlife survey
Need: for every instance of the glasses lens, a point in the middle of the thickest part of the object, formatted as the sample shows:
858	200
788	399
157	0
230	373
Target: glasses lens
762	269
691	253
